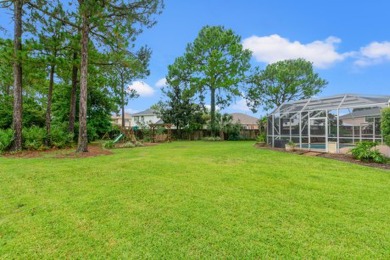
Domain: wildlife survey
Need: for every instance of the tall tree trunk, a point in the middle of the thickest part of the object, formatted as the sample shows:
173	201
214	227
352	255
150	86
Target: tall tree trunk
123	101
83	137
17	109
212	111
73	97
48	108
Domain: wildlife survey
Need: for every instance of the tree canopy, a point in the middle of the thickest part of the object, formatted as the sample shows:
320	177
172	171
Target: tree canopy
281	82
215	64
81	43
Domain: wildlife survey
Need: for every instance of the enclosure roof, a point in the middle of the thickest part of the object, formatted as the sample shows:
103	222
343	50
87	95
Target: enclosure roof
333	103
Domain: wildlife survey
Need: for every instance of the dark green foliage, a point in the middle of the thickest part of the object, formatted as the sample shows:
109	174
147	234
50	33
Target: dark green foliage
5	112
215	64
6	137
33	138
233	132
385	125
33	112
101	103
261	138
283	81
225	126
146	132
365	151
60	137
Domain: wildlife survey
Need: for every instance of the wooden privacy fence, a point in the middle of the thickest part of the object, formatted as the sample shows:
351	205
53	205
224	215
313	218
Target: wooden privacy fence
245	134
250	134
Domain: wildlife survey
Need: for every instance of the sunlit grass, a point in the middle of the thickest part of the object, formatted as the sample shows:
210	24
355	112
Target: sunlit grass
193	200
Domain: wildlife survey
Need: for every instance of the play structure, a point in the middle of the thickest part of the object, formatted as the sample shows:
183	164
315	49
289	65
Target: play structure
154	136
127	134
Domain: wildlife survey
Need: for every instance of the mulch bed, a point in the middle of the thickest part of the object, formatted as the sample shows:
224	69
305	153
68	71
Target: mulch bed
93	150
338	156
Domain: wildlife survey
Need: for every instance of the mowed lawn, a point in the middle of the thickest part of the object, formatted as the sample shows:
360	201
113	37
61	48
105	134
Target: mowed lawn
193	200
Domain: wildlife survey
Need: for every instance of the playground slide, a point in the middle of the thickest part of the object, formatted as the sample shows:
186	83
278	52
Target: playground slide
118	138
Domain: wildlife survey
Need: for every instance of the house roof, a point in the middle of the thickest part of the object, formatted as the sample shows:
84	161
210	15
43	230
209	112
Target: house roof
376	111
333	103
127	115
147	112
244	119
159	122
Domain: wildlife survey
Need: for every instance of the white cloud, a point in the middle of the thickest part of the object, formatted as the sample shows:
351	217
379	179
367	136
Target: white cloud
240	105
161	83
275	48
208	107
143	89
373	53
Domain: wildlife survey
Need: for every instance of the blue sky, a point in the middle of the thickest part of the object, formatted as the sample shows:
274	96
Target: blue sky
348	41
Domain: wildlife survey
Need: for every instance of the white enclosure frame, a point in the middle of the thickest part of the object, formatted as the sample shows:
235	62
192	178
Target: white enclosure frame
333	111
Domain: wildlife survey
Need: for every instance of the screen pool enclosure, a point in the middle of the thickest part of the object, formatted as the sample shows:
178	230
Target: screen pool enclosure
328	124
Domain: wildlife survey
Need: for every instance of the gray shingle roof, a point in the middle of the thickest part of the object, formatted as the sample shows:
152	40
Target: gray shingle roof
244	119
147	112
363	113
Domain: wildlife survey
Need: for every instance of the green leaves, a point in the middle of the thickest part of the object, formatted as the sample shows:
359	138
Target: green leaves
385	125
365	151
283	81
215	61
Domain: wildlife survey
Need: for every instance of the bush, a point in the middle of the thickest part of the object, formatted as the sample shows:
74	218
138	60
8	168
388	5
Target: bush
262	138
33	138
385	125
92	132
60	137
6	138
291	144
109	144
365	151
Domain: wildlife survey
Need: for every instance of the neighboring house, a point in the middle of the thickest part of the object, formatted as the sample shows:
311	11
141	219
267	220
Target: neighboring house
145	117
247	122
360	117
117	119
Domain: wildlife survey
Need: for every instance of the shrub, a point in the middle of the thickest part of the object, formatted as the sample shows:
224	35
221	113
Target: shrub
92	132
365	151
6	137
33	138
261	138
291	144
385	125
60	137
109	144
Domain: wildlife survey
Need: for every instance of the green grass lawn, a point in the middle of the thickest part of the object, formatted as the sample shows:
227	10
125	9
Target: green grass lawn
193	200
